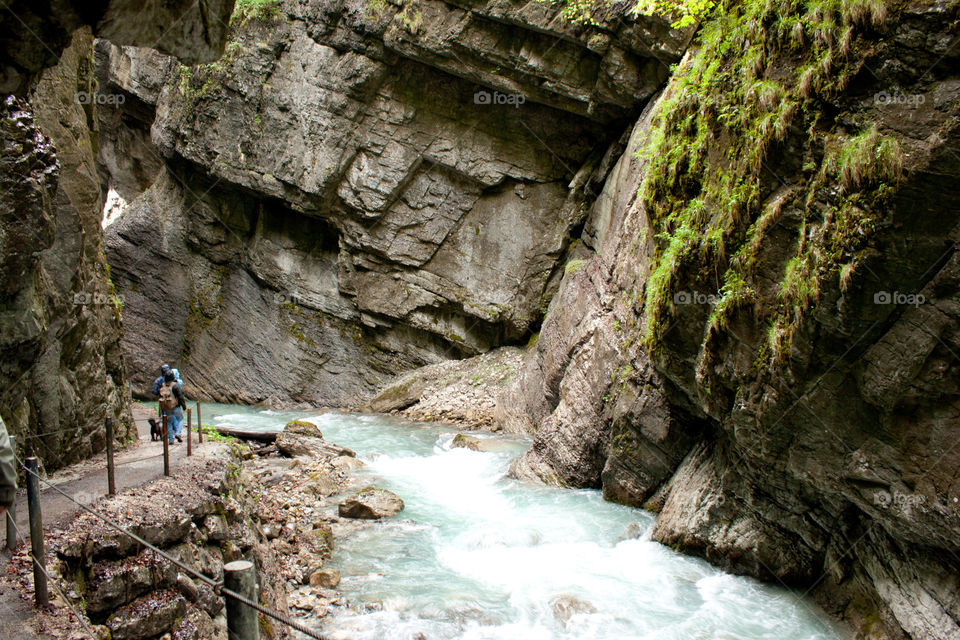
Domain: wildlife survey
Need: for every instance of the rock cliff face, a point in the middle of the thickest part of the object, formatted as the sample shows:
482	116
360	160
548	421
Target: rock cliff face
61	366
32	34
761	343
356	189
750	266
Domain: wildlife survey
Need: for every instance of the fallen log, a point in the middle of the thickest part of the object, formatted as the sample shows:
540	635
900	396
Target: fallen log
246	434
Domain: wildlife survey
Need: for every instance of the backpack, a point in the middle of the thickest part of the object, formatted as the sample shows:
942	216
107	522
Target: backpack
167	400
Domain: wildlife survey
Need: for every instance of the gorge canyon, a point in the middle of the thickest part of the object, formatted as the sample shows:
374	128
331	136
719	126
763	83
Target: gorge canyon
708	268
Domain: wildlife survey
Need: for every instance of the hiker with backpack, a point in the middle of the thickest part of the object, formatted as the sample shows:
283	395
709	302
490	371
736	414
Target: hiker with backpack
172	404
164	369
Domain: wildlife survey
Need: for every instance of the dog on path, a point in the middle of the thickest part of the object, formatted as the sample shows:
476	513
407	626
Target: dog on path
155	433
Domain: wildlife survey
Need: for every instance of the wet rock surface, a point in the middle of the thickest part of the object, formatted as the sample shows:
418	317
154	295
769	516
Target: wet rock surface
463	441
304	439
371	503
326	578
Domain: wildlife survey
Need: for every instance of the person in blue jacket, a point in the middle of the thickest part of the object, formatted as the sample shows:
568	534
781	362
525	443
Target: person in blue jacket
172	405
164	370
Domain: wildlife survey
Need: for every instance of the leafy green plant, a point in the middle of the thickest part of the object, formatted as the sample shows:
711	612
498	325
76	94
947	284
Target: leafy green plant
210	432
246	10
682	13
865	159
412	20
375	9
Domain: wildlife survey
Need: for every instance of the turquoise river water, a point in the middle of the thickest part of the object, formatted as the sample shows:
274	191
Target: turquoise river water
478	556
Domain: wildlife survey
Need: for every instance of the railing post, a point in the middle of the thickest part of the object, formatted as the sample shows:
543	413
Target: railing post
111	486
36	534
240	577
199	425
166	447
189	429
12	512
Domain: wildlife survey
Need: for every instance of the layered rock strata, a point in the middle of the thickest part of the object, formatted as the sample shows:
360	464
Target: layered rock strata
365	189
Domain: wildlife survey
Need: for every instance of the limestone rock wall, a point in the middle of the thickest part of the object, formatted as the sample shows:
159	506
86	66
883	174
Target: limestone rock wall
376	187
832	468
63	368
61	365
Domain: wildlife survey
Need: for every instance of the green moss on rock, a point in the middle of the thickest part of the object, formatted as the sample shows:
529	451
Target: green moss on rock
759	80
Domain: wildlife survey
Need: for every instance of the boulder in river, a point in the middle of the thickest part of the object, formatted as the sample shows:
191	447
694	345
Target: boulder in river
326	578
566	606
463	441
474	443
371	503
304	439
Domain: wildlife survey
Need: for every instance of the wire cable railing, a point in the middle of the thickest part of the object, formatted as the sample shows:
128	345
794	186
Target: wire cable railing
84	428
57	588
216	585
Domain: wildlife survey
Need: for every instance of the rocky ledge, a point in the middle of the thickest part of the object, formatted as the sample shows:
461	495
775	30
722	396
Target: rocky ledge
463	393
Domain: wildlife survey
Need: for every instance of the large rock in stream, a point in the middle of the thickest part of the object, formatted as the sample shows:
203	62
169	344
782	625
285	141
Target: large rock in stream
304	439
371	503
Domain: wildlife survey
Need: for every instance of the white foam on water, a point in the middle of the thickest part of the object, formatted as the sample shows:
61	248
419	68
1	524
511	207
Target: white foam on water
476	556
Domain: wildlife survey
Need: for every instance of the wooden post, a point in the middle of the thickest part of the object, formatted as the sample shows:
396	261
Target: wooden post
189	429
199	425
36	534
166	447
12	512
240	577
111	486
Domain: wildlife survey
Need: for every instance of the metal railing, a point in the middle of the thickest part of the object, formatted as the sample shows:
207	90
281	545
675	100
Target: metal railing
239	577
